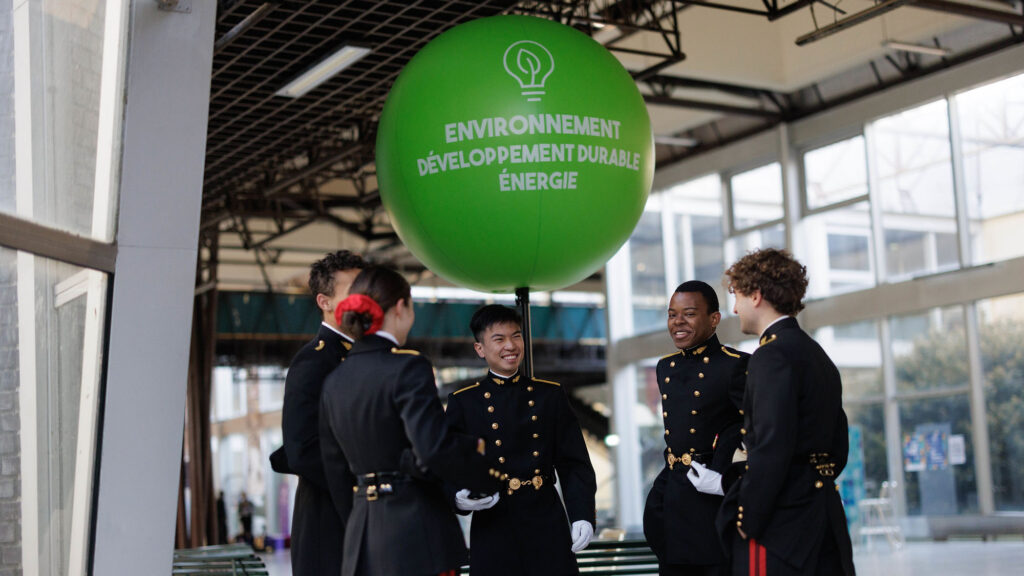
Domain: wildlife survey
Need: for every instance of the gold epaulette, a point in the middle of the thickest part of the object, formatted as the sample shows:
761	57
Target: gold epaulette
767	340
320	346
546	382
672	354
470	387
404	351
347	345
728	353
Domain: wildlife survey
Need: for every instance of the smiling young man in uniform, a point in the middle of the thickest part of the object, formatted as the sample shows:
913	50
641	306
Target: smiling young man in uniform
701	394
531	433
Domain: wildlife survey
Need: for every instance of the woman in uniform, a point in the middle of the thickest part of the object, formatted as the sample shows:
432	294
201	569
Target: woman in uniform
384	438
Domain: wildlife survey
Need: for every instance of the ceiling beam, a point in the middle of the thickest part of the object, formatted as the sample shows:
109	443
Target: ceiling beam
712	106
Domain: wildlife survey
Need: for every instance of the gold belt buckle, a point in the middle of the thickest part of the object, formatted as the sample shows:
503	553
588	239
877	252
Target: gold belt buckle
514	484
371	493
537	482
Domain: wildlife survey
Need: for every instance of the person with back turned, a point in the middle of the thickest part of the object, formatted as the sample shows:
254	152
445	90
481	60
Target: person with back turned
317	530
782	514
701	388
531	433
378	409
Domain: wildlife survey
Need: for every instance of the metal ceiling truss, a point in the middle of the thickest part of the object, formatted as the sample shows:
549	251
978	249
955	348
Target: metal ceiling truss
271	158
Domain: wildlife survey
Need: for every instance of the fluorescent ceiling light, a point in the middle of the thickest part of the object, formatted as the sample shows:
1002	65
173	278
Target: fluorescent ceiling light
918	48
323	70
676	141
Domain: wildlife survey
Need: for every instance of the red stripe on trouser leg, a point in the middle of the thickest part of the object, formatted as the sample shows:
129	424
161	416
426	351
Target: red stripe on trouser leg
762	559
752	554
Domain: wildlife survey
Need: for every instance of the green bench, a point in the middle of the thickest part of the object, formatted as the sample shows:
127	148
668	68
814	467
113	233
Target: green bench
614	558
226	560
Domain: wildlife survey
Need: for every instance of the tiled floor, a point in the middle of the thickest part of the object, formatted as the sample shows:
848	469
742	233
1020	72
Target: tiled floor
954	558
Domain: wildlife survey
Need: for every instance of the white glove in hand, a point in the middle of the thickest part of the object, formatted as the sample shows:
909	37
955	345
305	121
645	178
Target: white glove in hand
582	532
465	503
704	480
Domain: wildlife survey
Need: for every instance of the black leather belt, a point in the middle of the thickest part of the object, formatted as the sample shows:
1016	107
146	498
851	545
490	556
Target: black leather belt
377	484
536	481
687	458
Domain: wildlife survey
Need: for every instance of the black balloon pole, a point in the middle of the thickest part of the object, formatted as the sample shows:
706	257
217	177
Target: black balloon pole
523	302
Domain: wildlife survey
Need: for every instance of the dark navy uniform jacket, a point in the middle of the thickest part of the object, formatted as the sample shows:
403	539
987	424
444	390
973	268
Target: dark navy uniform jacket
379	406
797	444
701	396
531	433
317	530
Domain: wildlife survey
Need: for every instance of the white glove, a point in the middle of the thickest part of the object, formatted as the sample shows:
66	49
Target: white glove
704	480
582	532
465	503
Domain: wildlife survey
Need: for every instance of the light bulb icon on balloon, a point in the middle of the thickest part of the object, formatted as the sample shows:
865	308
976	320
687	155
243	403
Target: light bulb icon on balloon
530	63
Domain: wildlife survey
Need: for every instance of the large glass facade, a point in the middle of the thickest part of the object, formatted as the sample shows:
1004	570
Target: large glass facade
879	218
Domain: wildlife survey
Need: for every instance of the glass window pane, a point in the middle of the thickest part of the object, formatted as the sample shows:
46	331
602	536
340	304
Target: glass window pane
915	188
938	475
757	196
650	428
697	209
929	350
992	135
647	258
67	73
1001	329
856	351
866	466
835	173
50	363
271	387
836	247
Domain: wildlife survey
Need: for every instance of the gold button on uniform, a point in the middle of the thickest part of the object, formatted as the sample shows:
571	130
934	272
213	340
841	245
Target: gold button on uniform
530	402
664	414
819	484
664	396
529	388
666	431
694	412
693	449
487	394
739	523
536	435
666	379
740	515
490	408
696	393
741	412
700	375
494	426
501	459
743	430
706	360
497	442
535	453
693	430
534	417
671	364
536	470
740	508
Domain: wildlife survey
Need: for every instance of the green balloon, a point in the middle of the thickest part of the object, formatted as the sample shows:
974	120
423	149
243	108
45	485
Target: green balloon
514	152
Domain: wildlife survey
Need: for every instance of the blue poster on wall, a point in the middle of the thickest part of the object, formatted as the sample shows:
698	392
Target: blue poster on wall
937	452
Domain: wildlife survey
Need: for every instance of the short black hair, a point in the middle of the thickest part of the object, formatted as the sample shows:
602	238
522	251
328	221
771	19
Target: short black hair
321	273
490	315
705	290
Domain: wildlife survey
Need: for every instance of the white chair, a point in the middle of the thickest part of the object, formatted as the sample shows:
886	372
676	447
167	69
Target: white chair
878	516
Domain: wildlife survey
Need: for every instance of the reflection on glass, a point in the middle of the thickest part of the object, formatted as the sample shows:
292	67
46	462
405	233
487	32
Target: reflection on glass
1001	328
836	248
835	173
68	71
697	206
866	468
51	354
938	456
856	351
650	429
757	196
930	350
647	259
915	189
992	133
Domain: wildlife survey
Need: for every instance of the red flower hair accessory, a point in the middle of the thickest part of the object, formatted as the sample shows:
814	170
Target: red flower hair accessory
361	304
